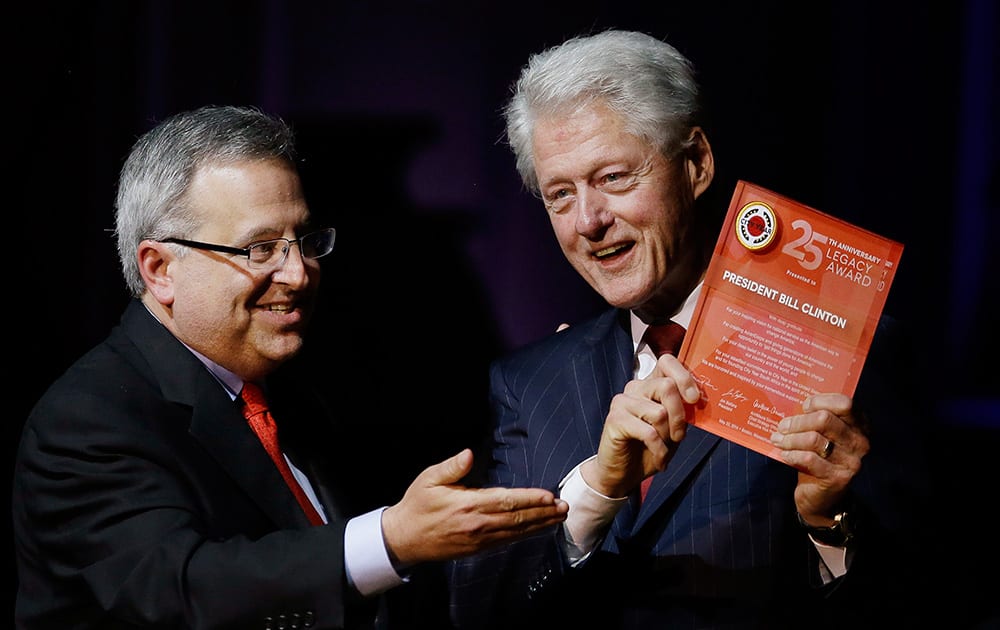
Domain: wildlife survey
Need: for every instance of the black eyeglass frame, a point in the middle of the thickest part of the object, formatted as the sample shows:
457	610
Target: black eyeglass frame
246	251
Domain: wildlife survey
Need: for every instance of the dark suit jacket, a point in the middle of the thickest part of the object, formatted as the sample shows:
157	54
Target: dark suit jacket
715	544
142	498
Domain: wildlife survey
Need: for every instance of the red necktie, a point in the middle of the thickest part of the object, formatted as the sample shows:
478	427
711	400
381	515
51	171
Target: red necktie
662	339
256	411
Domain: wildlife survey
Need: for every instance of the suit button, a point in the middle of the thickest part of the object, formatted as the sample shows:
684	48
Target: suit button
282	622
308	619
268	623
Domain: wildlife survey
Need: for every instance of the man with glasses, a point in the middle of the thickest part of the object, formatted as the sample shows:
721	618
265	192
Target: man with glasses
143	496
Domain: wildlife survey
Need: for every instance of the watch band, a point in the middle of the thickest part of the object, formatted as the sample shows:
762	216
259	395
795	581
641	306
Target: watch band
839	534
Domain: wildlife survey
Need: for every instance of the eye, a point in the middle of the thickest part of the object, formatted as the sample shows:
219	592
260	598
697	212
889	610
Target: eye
262	252
558	200
618	181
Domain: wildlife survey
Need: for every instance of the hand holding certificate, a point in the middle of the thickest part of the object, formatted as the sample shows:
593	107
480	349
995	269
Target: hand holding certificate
788	308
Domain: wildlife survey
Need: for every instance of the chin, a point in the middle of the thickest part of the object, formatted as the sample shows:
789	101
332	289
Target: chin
621	297
287	348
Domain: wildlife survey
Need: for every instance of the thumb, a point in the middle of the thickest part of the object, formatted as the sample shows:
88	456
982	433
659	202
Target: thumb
450	471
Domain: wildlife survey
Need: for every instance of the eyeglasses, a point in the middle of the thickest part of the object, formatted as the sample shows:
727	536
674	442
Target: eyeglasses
271	254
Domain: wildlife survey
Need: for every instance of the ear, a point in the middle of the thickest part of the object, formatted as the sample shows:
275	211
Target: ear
700	161
155	266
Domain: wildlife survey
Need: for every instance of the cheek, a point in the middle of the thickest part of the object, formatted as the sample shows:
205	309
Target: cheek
202	318
564	228
662	215
208	306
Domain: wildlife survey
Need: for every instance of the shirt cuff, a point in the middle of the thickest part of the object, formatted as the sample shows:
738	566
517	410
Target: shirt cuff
835	560
590	512
366	559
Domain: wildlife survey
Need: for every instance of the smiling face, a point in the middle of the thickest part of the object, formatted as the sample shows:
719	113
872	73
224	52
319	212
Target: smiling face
247	320
622	212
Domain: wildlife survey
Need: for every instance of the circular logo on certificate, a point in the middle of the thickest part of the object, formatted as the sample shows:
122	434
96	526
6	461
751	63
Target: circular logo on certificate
756	225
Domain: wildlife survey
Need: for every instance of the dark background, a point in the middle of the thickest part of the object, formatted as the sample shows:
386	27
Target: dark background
884	114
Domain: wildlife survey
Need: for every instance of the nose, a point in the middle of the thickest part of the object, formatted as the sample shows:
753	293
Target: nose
593	216
293	269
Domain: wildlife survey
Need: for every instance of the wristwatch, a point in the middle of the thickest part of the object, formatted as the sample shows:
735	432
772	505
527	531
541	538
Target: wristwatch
837	535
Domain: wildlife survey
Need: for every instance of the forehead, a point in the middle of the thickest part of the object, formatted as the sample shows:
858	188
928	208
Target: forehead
245	193
574	144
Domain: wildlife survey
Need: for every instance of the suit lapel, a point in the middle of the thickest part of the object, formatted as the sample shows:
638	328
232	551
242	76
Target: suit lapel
308	439
216	421
219	425
601	371
691	452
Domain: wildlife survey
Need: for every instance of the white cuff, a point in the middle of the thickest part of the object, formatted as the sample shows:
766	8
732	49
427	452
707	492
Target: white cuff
590	512
834	559
366	559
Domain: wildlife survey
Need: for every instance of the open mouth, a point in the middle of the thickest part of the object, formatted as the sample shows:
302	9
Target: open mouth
613	250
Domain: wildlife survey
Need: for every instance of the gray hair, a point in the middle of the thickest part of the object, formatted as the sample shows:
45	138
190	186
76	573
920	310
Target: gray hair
645	80
156	176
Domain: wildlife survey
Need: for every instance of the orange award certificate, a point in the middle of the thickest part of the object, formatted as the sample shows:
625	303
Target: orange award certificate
788	308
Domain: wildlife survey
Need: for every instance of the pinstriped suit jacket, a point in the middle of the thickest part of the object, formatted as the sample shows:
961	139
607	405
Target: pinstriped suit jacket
715	544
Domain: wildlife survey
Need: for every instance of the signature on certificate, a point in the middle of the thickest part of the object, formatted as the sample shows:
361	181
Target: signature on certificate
707	383
735	394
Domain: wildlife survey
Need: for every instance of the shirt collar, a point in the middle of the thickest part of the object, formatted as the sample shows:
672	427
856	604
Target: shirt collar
232	382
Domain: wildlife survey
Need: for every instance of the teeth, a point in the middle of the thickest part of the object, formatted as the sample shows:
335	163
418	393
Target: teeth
607	251
279	307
